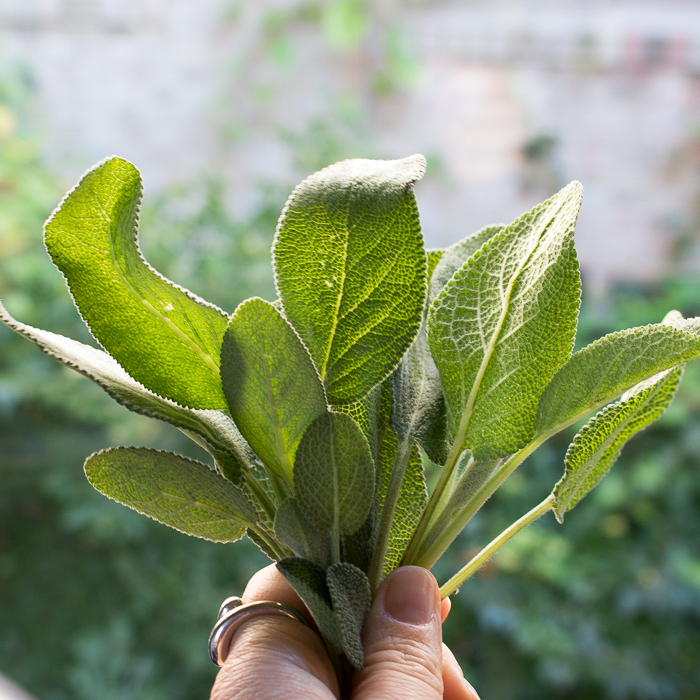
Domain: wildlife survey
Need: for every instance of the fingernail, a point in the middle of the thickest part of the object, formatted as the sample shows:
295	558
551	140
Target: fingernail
411	595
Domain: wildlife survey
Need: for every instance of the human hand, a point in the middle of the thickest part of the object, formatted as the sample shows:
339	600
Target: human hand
274	657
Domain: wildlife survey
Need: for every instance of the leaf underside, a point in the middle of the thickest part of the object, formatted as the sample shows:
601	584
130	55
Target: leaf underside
214	428
334	474
605	369
309	581
599	443
351	595
152	327
174	490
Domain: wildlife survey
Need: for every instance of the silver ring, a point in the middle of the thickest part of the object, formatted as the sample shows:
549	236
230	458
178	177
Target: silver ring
232	614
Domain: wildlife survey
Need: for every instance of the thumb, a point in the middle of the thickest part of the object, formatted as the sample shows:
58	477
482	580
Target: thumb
403	640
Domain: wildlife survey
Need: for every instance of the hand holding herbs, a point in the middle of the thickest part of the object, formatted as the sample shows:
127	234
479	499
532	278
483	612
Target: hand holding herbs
317	408
404	655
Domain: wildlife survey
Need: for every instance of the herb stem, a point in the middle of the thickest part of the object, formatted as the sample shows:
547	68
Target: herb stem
436	499
274	547
445	539
487	552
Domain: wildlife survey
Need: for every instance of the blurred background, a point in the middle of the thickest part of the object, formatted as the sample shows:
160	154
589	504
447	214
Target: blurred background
224	106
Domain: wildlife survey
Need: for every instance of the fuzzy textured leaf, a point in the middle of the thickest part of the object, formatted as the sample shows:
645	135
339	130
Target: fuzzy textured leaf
334	474
434	255
419	403
596	448
605	369
351	270
454	257
504	324
309	581
152	327
174	490
409	506
213	429
271	385
293	531
351	595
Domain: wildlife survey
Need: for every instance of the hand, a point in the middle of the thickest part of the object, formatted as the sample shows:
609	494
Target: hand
275	658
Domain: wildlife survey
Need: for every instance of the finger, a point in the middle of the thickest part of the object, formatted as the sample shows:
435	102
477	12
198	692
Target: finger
456	686
445	607
273	657
403	640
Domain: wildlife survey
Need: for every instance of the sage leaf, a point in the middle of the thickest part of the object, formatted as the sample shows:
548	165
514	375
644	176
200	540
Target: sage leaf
351	270
410	505
596	448
152	327
434	255
293	531
419	402
309	581
419	405
605	369
334	474
214	430
455	256
504	324
174	490
351	596
271	386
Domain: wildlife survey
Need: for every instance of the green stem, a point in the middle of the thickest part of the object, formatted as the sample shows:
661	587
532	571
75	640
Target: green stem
436	499
487	552
274	547
393	491
439	544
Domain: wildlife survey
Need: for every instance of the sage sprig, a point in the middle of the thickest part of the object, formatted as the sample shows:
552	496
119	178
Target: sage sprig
318	408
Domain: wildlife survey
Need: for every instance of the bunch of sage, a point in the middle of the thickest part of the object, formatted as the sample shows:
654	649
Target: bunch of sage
319	408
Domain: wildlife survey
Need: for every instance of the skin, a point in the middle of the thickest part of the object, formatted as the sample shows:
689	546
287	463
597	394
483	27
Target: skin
276	658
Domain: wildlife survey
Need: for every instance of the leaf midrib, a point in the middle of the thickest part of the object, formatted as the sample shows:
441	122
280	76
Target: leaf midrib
506	299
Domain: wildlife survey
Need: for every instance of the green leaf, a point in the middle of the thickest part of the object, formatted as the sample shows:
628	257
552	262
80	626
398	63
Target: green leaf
272	387
605	369
152	327
409	507
434	255
504	324
309	581
174	490
454	258
214	430
595	449
351	270
419	403
292	530
351	595
365	413
676	320
334	474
